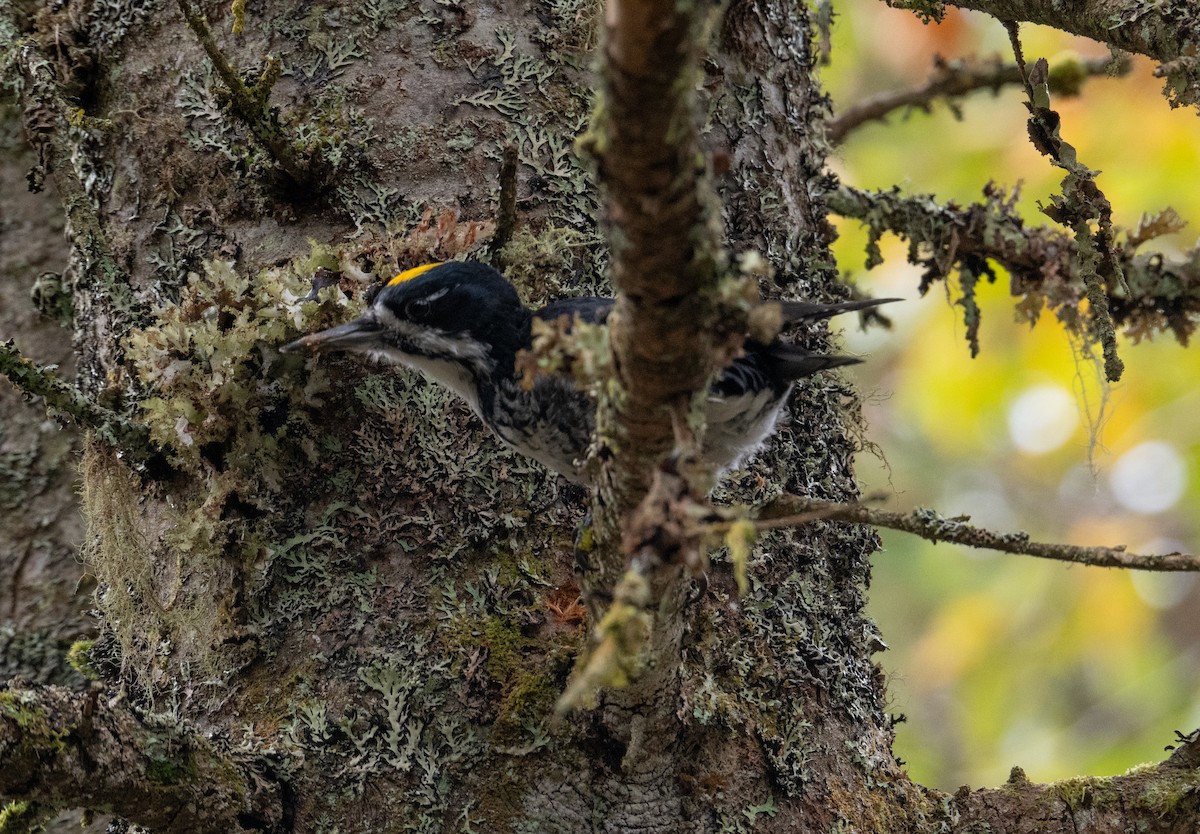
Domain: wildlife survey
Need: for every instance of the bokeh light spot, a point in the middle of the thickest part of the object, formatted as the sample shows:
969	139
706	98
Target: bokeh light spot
1149	478
1042	418
1162	590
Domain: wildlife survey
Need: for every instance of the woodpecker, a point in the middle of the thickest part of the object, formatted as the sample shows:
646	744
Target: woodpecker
462	323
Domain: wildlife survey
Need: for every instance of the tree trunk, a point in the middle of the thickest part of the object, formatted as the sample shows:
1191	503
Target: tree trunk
42	606
328	597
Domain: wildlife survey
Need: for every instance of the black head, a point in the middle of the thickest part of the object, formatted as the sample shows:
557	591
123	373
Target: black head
455	300
464	313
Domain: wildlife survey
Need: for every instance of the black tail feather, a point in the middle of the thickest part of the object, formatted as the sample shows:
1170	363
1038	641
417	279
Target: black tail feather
796	311
789	362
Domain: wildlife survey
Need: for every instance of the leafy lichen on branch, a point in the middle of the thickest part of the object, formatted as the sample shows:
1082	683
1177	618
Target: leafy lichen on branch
665	254
666	262
1080	205
1043	263
1154	798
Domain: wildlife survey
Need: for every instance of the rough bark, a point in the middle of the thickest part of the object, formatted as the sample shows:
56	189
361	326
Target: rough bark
42	607
65	749
1158	799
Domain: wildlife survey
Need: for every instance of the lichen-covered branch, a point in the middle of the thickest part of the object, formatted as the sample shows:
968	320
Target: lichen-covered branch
665	253
65	749
250	105
663	538
793	510
1151	799
956	78
47	124
666	257
65	399
1080	206
1043	263
1168	32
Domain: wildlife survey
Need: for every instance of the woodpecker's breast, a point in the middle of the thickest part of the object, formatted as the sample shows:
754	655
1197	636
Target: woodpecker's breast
552	423
739	424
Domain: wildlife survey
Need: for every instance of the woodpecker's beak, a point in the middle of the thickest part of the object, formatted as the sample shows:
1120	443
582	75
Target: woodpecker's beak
358	335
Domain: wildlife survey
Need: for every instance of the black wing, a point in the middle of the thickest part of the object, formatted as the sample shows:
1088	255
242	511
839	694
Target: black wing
590	309
779	364
594	310
775	366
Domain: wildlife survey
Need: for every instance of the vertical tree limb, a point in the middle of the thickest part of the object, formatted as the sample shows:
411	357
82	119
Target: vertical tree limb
666	259
665	250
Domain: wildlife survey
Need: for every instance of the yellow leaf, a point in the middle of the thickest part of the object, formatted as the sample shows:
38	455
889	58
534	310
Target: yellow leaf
740	540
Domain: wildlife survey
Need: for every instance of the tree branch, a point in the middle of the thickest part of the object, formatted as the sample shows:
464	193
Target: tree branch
249	103
666	260
951	79
1168	32
793	510
1080	206
1043	263
506	211
65	749
48	123
63	398
665	252
1154	799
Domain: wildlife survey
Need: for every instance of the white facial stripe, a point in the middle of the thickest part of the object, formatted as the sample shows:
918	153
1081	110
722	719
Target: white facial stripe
432	342
442	356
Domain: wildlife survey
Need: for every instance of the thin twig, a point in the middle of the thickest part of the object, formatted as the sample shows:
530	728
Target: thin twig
506	213
249	103
1153	29
951	79
793	510
63	398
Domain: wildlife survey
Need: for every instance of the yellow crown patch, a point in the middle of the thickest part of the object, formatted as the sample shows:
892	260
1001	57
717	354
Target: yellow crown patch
409	274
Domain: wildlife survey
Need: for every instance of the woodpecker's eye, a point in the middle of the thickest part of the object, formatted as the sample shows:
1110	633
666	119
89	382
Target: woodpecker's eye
421	307
417	309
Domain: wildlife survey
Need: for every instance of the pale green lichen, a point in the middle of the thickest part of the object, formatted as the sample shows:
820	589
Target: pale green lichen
1166	791
79	658
209	369
24	817
225	408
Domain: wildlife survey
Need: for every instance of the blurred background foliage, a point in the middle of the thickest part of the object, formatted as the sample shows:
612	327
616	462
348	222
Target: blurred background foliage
999	660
